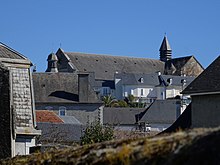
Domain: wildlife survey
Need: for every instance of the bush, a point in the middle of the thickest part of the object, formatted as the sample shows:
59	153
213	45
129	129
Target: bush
95	133
122	103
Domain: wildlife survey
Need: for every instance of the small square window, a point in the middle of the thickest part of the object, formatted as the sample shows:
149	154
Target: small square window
62	111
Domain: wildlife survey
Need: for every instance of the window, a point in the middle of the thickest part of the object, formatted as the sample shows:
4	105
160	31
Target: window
62	111
142	92
142	80
105	91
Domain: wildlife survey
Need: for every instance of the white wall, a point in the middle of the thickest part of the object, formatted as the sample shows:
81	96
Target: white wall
23	144
141	91
137	91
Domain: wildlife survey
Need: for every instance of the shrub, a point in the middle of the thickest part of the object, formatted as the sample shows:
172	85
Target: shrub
122	103
95	133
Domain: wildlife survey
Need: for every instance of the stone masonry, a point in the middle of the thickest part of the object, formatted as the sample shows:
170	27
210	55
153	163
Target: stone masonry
22	97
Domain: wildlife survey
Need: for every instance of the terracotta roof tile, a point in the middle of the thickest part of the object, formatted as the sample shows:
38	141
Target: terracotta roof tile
47	116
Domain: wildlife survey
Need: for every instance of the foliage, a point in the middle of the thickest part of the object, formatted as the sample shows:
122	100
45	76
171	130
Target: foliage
108	101
122	103
131	98
137	105
95	133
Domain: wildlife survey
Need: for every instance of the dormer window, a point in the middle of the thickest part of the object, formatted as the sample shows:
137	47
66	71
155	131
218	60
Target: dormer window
62	111
141	80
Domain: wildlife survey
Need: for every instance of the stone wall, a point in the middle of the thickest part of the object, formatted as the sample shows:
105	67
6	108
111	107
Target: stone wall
192	68
22	102
5	115
206	111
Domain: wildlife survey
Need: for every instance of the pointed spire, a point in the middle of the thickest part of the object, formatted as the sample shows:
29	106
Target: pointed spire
165	50
52	63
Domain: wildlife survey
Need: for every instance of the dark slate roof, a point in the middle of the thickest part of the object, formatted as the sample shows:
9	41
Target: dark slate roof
161	111
7	52
207	81
47	116
120	115
183	122
60	132
165	44
58	87
152	79
106	66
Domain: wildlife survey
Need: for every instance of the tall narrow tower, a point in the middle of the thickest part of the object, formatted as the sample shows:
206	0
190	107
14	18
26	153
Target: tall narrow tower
52	63
165	50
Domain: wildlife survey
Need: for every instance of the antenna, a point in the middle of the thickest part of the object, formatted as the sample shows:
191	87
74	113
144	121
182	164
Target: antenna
52	47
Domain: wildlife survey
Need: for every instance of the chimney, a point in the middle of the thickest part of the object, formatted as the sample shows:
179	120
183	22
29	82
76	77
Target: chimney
83	87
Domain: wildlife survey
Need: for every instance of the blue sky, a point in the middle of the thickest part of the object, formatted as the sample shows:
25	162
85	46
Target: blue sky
116	27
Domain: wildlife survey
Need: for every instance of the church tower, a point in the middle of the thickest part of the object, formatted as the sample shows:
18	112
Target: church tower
52	63
165	50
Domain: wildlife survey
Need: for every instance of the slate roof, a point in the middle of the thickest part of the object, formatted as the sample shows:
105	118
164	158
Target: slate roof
70	120
9	53
60	132
47	116
105	66
183	122
165	44
159	112
152	79
120	115
208	81
58	88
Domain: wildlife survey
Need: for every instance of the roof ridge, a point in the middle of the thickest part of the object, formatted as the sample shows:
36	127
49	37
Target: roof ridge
108	55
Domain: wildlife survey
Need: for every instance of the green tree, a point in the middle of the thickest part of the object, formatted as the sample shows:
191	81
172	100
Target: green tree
95	133
109	101
131	98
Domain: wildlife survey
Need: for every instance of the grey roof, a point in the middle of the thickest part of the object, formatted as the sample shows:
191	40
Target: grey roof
120	115
183	122
152	79
70	120
207	81
58	87
161	111
7	52
60	132
105	66
165	44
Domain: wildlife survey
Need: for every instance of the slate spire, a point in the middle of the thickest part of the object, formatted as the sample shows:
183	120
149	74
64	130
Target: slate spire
52	63
165	50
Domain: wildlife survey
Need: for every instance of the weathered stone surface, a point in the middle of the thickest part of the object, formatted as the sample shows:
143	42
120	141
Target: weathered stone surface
5	115
22	97
199	146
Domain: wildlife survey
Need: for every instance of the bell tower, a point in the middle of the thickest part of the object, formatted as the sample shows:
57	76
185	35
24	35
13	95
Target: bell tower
165	50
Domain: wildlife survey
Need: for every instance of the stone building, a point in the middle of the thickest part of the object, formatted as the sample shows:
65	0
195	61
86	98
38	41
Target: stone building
205	94
16	104
105	67
69	95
